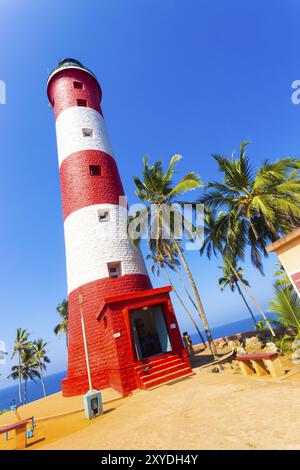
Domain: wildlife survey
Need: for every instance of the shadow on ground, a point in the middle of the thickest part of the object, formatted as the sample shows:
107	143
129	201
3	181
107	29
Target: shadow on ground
37	441
203	358
198	360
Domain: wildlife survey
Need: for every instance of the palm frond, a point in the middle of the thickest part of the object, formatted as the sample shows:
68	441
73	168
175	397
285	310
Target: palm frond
189	182
286	305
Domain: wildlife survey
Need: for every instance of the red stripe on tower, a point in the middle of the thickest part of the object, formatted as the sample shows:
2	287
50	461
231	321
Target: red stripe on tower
86	179
73	85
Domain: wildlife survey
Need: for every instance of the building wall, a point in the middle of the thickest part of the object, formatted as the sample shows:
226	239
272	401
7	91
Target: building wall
289	256
119	351
99	347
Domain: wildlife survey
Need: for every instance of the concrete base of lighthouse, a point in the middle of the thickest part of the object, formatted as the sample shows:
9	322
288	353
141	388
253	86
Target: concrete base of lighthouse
136	343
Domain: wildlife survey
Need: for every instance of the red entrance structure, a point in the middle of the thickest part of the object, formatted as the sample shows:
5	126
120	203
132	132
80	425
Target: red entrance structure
132	333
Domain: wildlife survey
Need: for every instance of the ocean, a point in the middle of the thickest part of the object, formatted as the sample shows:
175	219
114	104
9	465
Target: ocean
53	382
240	326
34	390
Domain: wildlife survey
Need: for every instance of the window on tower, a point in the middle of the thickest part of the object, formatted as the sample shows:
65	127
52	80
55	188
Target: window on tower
95	170
103	215
82	103
78	85
114	270
87	132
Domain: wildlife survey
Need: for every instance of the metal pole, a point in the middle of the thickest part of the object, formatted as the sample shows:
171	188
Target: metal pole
85	344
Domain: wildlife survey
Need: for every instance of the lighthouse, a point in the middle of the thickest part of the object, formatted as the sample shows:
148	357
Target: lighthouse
128	323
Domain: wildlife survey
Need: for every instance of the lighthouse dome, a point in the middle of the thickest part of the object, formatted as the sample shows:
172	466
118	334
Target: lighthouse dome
69	63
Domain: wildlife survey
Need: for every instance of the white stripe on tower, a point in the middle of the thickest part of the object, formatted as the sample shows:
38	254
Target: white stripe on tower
69	132
91	244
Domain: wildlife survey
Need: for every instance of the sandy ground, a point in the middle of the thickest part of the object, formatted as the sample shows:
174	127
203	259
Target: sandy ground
53	405
205	411
55	418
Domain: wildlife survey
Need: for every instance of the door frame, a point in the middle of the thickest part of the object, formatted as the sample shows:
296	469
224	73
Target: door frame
163	302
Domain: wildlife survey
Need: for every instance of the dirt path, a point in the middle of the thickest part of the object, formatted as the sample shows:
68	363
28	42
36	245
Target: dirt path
208	411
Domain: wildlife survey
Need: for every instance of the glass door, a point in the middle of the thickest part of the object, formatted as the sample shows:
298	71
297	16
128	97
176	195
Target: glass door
149	332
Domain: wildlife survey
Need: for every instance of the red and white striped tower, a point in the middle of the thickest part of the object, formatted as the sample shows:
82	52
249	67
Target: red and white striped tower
100	261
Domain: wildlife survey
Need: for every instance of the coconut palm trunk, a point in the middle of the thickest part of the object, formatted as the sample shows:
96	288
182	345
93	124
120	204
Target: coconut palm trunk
246	303
25	391
41	358
200	308
42	379
186	291
21	344
156	188
253	299
19	380
185	308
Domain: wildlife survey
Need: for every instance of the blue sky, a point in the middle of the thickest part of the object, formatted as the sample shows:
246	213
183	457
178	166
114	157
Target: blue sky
191	77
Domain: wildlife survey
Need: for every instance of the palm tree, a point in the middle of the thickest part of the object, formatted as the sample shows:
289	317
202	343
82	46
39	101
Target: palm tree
259	205
222	237
286	305
281	277
160	262
156	188
39	348
62	327
21	344
27	369
229	279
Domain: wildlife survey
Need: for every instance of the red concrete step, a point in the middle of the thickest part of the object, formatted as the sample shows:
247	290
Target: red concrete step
160	366
168	378
161	373
156	361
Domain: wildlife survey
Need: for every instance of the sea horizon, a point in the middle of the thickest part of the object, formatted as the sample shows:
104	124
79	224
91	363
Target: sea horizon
53	381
